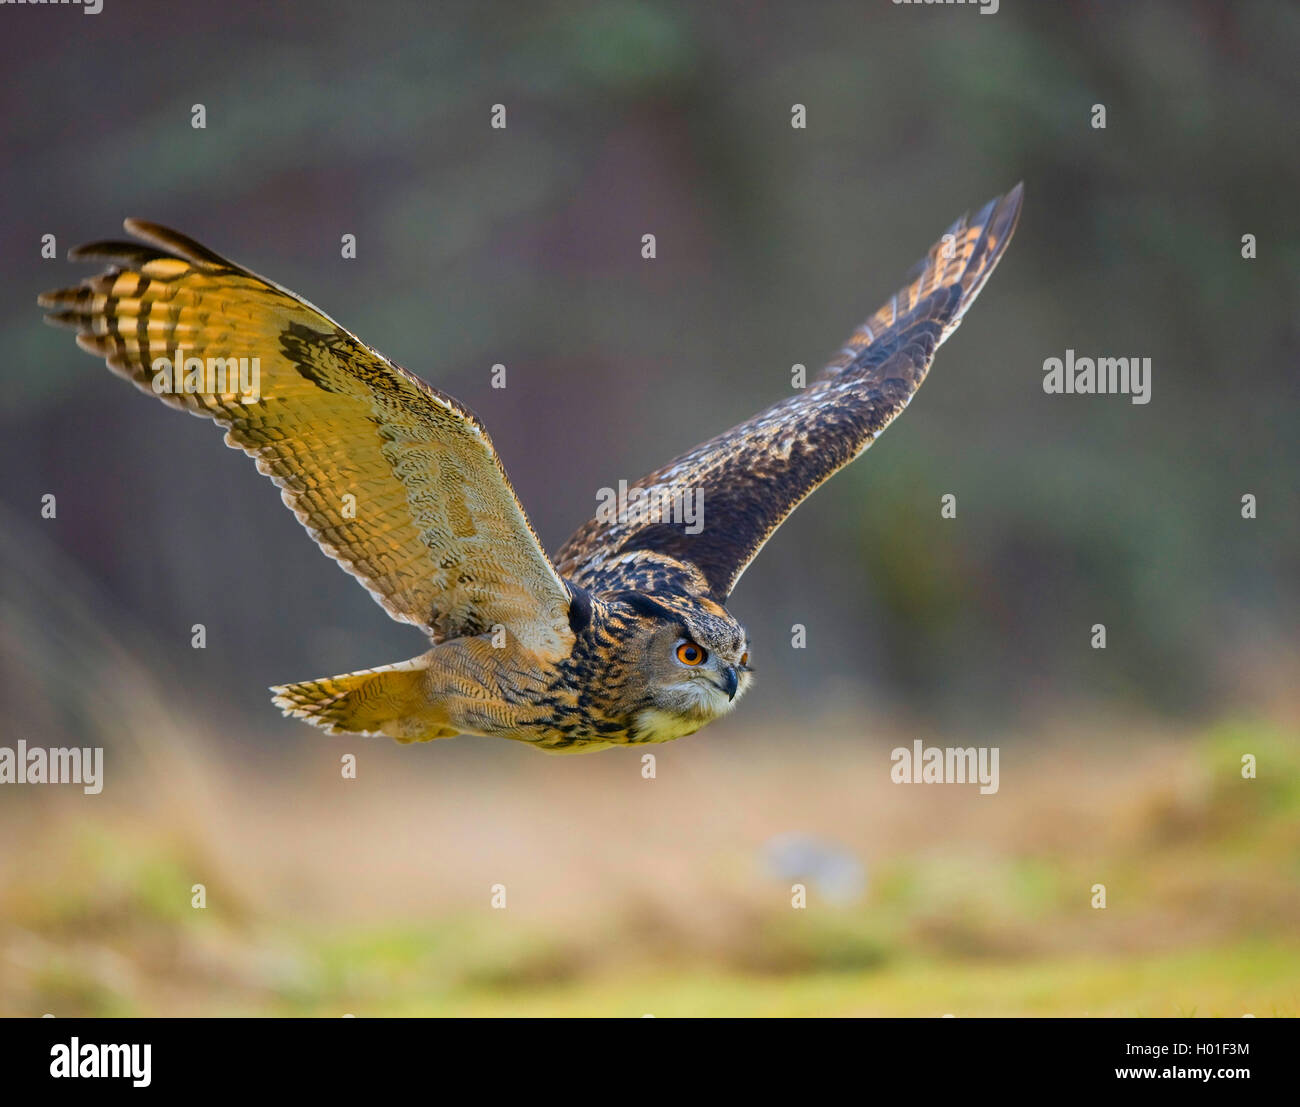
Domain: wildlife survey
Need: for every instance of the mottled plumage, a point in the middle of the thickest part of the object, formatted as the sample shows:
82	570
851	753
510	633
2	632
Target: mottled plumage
755	474
624	638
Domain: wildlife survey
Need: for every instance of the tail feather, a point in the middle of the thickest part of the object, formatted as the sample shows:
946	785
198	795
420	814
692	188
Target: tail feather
391	700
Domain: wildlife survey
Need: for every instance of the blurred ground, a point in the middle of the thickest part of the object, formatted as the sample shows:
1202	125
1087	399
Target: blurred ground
628	896
624	896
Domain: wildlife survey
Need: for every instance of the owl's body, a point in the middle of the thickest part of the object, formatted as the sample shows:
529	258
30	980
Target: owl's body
603	692
623	639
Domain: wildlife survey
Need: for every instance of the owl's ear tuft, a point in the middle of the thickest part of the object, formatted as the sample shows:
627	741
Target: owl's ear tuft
644	605
579	608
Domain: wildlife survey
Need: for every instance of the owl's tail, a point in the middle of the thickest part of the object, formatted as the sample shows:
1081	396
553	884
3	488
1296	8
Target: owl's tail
391	700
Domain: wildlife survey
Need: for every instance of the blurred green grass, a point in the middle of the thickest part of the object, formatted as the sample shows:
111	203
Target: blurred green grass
1201	868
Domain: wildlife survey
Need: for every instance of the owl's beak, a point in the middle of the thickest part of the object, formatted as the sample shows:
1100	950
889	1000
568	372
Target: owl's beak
730	681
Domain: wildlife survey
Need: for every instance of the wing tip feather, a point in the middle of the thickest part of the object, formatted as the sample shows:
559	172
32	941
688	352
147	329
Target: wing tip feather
173	243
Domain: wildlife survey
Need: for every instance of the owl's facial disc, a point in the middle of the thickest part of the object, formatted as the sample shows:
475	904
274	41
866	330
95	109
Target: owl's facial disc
693	661
697	675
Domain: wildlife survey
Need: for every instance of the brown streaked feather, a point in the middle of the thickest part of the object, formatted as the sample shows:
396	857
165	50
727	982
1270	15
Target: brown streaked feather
754	475
438	538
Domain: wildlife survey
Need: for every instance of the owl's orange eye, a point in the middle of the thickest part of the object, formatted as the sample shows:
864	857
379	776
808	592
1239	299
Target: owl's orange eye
688	653
744	659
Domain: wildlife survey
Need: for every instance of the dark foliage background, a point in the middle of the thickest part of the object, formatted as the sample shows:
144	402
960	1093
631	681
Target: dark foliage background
522	246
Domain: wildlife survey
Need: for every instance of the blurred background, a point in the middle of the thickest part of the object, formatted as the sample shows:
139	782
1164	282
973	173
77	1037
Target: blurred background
523	246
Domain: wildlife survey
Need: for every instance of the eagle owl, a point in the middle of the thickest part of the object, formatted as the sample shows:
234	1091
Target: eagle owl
623	638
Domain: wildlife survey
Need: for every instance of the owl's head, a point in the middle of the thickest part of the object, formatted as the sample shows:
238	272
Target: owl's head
692	664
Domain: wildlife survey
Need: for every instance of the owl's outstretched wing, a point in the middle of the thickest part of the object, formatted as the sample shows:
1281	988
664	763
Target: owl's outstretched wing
396	481
755	474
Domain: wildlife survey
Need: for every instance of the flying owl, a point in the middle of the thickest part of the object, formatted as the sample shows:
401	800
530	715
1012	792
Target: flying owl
623	638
